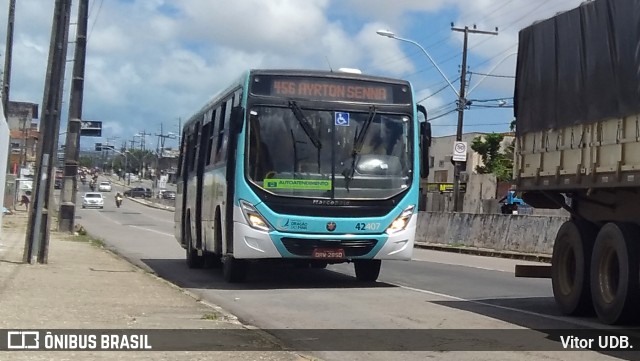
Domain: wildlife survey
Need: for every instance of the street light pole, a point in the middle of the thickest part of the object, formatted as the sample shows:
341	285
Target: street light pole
461	104
391	35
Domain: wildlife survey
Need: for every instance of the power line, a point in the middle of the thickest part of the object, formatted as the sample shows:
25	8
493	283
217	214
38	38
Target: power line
442	115
433	94
96	19
493	75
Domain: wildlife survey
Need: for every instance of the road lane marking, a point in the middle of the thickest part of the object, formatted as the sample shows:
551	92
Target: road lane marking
142	228
153	230
463	265
588	324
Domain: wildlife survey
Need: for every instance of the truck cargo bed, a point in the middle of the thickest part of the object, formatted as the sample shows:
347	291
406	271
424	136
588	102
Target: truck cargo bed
604	154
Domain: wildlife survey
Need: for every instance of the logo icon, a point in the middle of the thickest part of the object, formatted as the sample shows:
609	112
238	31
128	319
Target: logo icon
331	226
22	340
342	119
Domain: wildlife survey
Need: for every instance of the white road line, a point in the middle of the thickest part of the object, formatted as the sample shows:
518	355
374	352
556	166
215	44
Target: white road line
138	227
530	313
153	230
463	265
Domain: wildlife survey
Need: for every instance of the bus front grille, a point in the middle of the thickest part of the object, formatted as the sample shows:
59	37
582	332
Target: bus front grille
305	247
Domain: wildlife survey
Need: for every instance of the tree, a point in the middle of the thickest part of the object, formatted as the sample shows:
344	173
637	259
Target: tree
85	161
496	161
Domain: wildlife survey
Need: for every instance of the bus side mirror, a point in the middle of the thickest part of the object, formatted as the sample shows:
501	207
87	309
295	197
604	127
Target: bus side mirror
425	143
235	125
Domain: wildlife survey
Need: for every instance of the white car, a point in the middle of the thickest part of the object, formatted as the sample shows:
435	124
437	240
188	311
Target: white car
92	200
104	187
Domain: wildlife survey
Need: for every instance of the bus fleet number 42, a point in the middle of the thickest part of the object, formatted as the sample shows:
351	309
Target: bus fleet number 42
367	226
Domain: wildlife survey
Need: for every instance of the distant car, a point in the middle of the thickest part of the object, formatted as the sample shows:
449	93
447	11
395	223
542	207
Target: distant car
138	192
169	195
92	200
104	187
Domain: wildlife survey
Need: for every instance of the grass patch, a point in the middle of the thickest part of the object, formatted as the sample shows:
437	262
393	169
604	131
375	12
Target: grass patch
210	316
82	236
457	244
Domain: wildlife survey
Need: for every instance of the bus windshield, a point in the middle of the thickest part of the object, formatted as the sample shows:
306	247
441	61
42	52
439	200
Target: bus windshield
294	151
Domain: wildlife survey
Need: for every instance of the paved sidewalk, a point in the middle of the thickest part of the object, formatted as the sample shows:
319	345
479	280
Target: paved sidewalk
84	286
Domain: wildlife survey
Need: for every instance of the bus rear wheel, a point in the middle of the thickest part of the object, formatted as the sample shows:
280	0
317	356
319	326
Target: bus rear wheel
615	273
234	270
193	259
367	270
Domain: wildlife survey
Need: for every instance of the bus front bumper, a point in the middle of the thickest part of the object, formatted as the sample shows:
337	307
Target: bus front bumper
255	244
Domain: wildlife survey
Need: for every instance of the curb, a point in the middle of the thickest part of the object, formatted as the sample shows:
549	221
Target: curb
227	316
486	252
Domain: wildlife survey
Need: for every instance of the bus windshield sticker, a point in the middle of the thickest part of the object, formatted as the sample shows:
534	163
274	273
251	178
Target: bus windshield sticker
342	119
298	184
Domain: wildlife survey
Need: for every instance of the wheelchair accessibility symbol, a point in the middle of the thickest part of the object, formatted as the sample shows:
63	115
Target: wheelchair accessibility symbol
342	119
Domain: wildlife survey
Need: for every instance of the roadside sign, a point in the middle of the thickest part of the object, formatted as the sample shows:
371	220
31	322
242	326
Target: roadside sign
459	152
91	128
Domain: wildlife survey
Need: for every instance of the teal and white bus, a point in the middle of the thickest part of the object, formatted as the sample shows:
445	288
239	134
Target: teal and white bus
314	167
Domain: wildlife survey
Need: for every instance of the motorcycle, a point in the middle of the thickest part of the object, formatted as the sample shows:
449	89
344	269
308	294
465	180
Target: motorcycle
118	201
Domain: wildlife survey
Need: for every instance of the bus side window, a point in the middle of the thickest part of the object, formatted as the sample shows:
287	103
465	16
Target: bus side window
214	134
203	153
193	140
181	158
221	149
212	138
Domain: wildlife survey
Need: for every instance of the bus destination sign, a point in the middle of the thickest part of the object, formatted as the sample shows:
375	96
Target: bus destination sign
329	89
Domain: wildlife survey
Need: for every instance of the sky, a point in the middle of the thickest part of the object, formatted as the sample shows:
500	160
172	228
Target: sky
151	64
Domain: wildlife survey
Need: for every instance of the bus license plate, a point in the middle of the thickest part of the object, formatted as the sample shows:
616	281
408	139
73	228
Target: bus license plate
328	253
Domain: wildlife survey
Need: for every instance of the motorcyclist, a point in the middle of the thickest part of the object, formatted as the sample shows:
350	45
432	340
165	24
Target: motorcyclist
118	199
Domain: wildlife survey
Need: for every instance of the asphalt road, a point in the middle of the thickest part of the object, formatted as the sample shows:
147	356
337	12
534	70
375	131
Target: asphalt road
434	291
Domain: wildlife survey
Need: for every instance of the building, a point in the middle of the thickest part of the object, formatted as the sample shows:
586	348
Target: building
440	165
23	135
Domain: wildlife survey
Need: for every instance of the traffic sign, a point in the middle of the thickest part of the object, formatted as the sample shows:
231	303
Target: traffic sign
459	152
91	128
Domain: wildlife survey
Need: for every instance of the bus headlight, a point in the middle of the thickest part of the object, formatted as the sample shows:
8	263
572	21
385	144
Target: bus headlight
401	221
253	217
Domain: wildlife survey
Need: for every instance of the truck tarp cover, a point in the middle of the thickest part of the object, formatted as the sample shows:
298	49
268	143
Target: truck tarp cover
579	67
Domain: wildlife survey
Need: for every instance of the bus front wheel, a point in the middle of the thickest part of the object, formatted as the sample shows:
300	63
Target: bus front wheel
234	270
367	270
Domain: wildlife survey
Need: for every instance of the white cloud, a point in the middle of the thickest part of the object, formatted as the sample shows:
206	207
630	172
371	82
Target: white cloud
152	61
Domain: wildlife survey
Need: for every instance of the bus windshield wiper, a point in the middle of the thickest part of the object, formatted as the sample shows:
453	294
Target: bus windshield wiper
357	147
304	123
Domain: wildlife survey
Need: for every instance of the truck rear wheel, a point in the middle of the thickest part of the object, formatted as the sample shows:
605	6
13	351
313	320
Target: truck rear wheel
570	267
367	270
615	273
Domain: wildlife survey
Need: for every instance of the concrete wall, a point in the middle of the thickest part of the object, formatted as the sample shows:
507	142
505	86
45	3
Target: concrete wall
514	233
480	187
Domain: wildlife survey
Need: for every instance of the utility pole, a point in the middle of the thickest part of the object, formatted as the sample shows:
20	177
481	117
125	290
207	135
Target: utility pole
179	132
72	145
23	146
143	140
37	240
459	166
160	149
8	54
161	139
